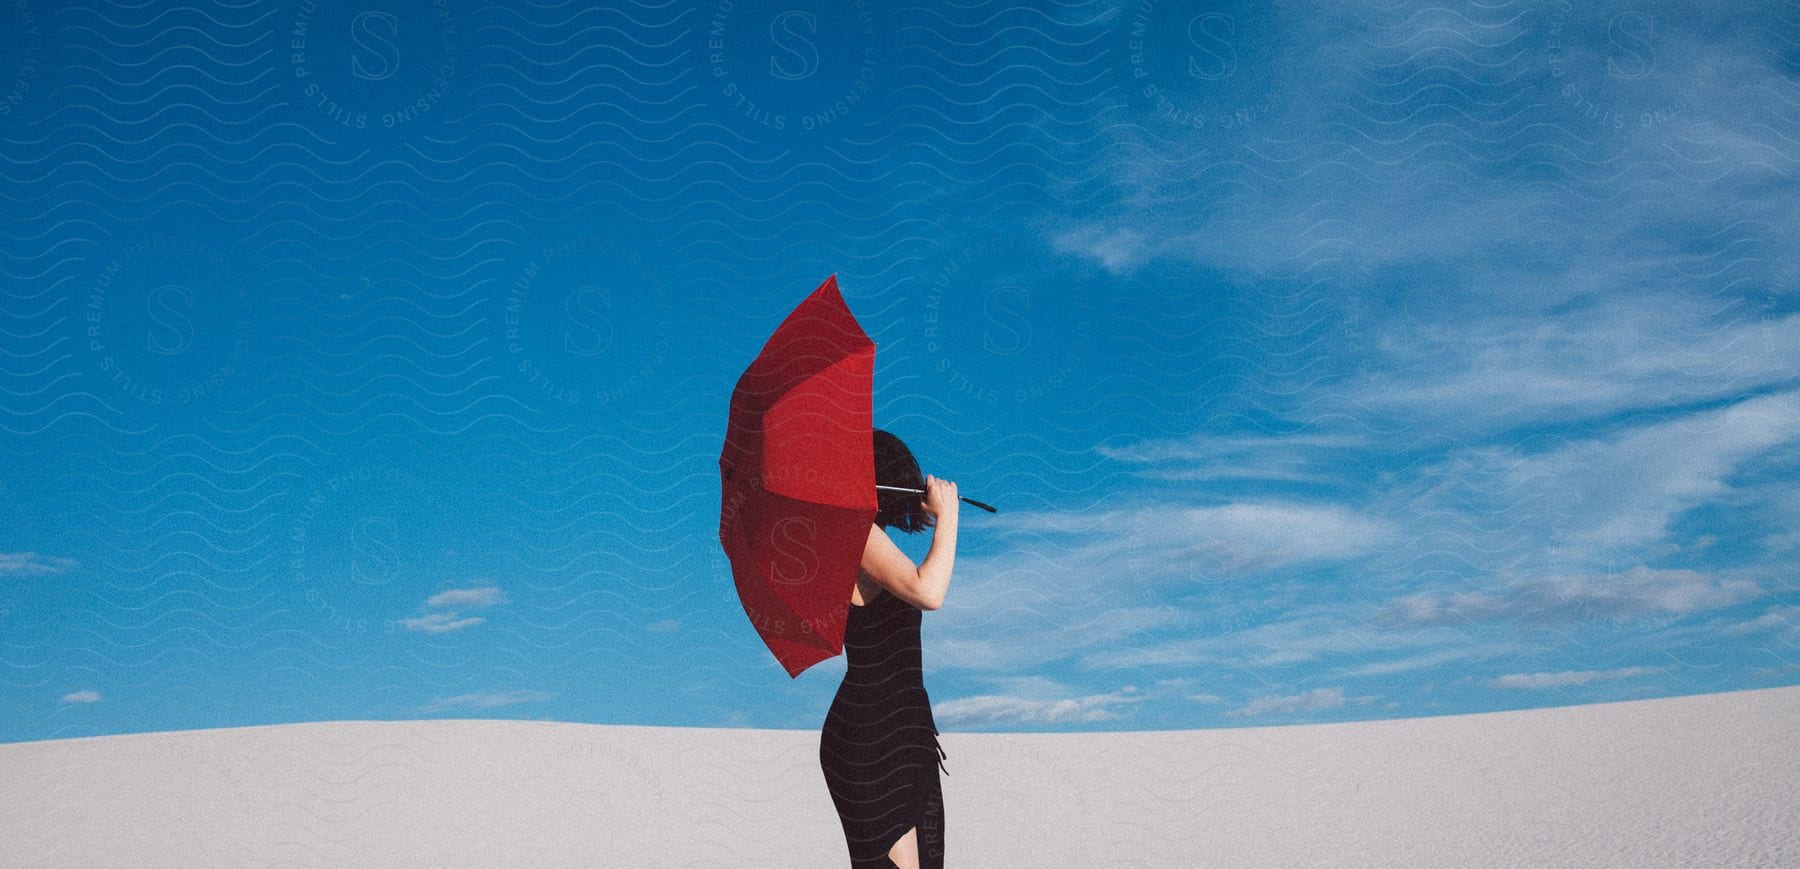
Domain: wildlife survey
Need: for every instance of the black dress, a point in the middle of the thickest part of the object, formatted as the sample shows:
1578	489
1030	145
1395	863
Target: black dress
879	747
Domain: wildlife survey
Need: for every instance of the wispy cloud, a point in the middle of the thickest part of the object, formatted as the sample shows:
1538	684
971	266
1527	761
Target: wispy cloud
1621	494
1316	700
1783	619
445	622
1474	537
33	564
1569	397
1063	584
1425	660
81	697
440	623
1397	183
1569	677
1118	250
1036	633
486	700
1304	455
1601	356
482	596
1592	500
1012	709
1322	633
1630	594
1234	538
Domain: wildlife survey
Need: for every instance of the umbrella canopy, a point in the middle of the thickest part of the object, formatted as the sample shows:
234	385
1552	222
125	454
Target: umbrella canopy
797	478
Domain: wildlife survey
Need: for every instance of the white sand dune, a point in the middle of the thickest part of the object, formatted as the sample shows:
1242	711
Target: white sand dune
1707	780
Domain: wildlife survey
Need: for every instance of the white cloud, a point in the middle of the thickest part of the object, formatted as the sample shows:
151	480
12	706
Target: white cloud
1784	618
1506	293
1005	709
1118	250
1204	446
1421	661
1316	700
967	640
81	697
1300	639
439	623
1610	353
1303	455
1357	154
445	622
466	597
1526	537
1068	582
1610	496
1183	682
1781	508
33	564
1031	686
1502	519
486	700
1587	503
1783	541
1495	300
1569	677
1234	538
1635	593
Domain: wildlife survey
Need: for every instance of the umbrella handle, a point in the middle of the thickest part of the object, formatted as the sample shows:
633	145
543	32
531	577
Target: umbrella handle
922	491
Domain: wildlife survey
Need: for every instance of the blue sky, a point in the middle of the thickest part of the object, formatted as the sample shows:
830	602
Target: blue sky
1381	361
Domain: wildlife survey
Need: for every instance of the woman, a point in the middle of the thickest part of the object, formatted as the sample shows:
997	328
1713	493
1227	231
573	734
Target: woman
879	747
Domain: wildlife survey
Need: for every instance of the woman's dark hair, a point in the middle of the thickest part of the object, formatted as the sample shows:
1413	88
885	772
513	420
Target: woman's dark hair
895	466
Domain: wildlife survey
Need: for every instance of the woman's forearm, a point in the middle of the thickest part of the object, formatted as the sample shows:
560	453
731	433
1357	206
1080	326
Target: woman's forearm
934	572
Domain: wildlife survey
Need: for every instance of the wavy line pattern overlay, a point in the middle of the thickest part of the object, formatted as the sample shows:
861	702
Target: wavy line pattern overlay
1382	359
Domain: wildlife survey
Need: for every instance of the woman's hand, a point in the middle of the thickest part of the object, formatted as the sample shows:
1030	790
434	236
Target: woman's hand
940	497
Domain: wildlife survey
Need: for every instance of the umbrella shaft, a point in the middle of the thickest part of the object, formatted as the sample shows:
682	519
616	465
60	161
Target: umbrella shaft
922	491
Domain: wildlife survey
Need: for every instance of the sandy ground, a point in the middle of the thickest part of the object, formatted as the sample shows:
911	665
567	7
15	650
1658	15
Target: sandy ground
1708	780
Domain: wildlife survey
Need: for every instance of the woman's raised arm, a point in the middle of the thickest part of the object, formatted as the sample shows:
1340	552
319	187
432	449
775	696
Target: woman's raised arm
924	585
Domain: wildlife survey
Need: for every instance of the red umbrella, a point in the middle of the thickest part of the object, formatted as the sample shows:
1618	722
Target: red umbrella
797	478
